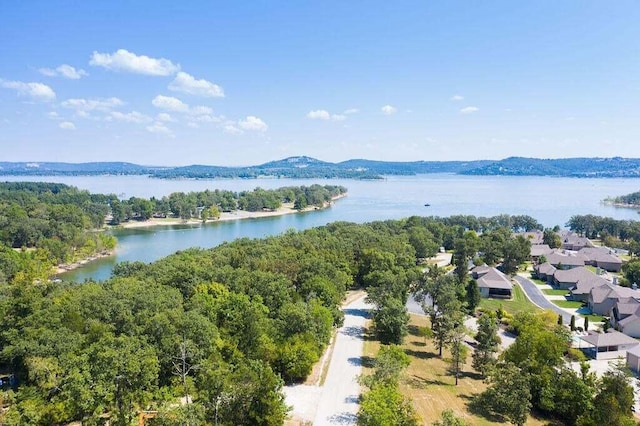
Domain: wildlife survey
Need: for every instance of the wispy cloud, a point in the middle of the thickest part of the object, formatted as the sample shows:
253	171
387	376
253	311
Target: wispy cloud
469	110
83	106
321	114
185	83
159	128
232	130
123	60
131	117
67	125
65	71
35	91
388	110
457	97
351	111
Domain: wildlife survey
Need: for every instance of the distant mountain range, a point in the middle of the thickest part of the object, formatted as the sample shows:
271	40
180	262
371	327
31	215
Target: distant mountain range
307	167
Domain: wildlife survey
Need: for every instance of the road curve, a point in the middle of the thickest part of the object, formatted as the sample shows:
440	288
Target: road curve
536	296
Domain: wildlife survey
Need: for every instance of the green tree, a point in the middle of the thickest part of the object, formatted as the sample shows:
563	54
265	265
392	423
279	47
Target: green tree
508	394
391	321
448	418
484	355
384	405
551	238
459	352
472	295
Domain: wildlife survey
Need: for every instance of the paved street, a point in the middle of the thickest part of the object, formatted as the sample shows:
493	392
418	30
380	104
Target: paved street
537	297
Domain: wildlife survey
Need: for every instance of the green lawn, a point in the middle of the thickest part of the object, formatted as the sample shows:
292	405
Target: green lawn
518	303
593	318
554	292
571	304
539	282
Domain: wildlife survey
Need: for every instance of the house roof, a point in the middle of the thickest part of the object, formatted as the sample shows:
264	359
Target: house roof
606	291
573	239
634	351
540	249
600	254
480	270
583	278
494	279
535	237
545	268
610	338
556	258
628	320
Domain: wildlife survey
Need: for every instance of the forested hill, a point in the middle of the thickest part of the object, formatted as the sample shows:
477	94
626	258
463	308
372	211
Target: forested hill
568	167
306	167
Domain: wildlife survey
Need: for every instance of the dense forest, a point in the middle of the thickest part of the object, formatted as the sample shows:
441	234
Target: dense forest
631	200
211	336
306	168
208	204
224	328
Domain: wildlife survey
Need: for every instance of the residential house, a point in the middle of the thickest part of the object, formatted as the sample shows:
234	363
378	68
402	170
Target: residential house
535	237
480	270
602	257
625	316
569	278
609	345
565	260
573	241
633	359
494	283
544	272
583	282
603	298
538	250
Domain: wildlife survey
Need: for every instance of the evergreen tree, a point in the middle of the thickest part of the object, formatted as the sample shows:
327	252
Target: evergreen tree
488	341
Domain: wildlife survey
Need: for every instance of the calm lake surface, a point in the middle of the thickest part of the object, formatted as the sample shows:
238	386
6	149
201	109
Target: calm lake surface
552	201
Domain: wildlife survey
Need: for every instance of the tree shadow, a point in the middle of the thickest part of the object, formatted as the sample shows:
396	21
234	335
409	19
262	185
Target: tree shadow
477	405
353	331
421	354
472	375
416	343
418	382
367	361
364	313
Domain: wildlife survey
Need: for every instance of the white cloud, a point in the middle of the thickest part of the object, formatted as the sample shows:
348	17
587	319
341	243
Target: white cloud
200	110
469	110
163	116
123	60
193	125
83	106
36	91
208	118
322	114
388	110
232	130
351	111
65	71
253	123
169	103
159	128
319	114
186	83
131	117
67	125
53	115
457	97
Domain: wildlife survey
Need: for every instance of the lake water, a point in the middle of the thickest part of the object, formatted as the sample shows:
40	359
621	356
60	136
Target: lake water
552	201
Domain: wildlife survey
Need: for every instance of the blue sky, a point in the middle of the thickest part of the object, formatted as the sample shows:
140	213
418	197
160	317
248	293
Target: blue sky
233	83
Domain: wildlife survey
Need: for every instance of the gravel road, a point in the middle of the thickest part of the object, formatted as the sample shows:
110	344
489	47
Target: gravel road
336	401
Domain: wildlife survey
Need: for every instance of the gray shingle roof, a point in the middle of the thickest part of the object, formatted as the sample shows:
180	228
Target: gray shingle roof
610	338
494	279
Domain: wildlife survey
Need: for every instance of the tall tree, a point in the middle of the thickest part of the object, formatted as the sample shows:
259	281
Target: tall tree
488	341
508	394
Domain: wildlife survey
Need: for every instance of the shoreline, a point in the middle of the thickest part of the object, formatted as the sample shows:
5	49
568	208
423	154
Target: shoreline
286	208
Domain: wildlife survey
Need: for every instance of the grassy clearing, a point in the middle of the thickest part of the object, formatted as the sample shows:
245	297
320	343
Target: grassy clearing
555	292
519	303
430	386
570	304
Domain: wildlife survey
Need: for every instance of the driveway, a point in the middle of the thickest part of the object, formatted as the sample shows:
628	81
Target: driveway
536	296
336	402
